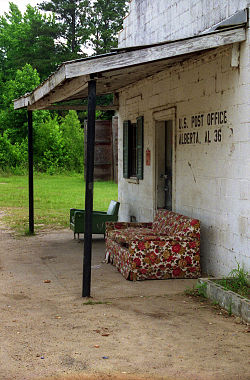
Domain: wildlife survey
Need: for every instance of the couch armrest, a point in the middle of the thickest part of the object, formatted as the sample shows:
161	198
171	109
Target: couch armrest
123	225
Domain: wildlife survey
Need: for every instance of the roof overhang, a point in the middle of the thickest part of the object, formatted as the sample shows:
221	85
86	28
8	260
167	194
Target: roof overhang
121	68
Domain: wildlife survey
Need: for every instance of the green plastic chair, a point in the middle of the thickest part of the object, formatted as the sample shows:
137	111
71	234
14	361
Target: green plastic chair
99	218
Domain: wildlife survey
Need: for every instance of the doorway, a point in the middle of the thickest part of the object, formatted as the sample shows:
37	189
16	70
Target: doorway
164	164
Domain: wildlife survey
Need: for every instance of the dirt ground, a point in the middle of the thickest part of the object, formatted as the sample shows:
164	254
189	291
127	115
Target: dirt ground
129	331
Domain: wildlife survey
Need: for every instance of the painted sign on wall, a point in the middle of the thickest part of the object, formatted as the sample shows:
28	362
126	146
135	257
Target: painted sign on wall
202	128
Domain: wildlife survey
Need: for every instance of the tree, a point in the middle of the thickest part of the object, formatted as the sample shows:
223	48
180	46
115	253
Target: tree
86	23
14	123
72	21
29	38
105	21
58	141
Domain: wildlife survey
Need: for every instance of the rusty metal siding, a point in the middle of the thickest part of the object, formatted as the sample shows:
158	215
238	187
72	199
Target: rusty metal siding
103	162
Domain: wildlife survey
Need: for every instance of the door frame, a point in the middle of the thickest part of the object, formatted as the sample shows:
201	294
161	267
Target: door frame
164	115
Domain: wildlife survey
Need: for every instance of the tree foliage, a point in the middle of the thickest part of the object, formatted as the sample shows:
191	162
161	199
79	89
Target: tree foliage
14	123
105	21
71	16
58	141
28	38
85	23
58	144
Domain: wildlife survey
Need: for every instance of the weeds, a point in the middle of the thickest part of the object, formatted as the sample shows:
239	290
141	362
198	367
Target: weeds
28	233
198	290
202	288
237	281
215	303
191	291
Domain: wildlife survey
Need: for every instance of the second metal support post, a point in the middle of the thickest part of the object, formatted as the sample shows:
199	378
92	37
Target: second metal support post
31	187
86	280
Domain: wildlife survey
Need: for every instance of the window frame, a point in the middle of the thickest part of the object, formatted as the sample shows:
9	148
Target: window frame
133	148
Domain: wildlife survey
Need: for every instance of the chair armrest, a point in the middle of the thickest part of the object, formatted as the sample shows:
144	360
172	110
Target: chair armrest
103	217
72	210
79	215
72	213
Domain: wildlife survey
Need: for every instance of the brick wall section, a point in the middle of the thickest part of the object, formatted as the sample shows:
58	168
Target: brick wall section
212	179
152	21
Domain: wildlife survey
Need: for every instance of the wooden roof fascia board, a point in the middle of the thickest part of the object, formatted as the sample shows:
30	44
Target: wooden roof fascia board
60	93
21	102
165	42
49	85
42	90
155	53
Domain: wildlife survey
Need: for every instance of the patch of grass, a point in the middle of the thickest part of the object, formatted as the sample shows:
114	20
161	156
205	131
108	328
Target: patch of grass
90	302
215	303
53	197
28	233
191	291
236	281
199	290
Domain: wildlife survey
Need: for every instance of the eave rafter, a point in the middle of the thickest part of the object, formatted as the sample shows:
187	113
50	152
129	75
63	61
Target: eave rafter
81	107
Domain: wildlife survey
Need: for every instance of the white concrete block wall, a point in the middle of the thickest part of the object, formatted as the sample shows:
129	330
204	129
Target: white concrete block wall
152	21
212	179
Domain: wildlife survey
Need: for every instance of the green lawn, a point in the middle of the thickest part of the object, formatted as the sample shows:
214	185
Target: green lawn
53	197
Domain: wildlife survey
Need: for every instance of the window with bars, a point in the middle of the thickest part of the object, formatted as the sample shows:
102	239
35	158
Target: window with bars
133	149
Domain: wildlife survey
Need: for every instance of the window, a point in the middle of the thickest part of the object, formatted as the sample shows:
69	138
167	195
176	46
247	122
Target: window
133	149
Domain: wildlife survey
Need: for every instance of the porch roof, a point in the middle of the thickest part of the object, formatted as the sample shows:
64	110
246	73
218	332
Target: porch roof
120	68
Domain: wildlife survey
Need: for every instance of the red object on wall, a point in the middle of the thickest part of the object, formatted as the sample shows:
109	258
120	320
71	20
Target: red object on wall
148	157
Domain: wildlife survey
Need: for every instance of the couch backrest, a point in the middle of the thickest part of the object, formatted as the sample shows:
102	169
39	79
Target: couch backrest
113	208
170	223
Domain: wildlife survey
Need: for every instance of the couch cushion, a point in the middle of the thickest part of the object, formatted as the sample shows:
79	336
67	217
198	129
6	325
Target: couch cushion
124	236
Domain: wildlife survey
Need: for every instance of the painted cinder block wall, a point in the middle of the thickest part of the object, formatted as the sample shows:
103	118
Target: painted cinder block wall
152	21
211	178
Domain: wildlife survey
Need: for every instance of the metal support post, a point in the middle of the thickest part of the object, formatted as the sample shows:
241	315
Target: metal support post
89	189
31	186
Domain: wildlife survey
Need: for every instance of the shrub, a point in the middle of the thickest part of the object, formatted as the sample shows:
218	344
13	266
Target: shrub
58	144
73	149
11	156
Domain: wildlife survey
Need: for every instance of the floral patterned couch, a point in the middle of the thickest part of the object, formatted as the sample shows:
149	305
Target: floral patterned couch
167	248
